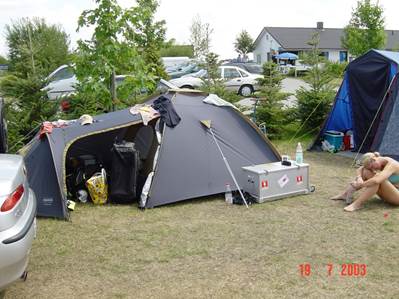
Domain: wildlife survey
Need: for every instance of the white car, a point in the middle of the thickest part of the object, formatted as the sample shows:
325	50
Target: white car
235	79
61	83
17	220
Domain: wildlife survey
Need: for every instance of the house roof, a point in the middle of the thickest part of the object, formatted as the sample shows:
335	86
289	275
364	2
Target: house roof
296	38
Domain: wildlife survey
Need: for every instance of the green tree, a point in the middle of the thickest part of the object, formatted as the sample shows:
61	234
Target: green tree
120	38
315	102
200	38
26	108
244	44
213	82
366	28
36	47
148	34
171	49
270	101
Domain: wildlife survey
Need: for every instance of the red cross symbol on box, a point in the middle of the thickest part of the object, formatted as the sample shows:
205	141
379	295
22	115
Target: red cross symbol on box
265	184
299	179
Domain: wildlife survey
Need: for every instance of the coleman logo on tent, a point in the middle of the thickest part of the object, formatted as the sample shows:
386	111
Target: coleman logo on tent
48	201
299	179
265	184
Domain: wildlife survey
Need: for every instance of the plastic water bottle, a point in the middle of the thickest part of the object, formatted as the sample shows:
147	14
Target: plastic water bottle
299	154
228	195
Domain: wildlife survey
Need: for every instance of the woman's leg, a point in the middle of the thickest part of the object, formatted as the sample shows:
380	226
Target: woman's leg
389	193
368	193
350	189
385	190
348	192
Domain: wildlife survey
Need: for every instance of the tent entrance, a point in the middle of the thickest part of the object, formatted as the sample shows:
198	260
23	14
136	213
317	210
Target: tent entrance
89	154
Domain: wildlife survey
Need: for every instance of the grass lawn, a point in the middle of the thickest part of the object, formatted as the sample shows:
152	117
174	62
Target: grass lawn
206	249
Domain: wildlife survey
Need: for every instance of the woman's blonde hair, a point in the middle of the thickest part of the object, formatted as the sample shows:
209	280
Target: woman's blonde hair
368	158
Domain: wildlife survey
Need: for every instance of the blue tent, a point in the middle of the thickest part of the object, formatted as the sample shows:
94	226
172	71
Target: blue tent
366	104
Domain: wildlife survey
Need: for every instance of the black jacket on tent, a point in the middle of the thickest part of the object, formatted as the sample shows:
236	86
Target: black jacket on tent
185	163
366	104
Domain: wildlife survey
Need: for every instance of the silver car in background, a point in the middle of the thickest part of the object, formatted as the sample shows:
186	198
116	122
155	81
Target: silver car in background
17	219
234	79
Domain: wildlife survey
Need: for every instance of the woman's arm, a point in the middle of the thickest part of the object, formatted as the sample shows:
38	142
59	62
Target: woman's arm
380	177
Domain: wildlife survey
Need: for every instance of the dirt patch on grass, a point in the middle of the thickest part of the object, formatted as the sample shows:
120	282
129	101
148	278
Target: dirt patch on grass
206	249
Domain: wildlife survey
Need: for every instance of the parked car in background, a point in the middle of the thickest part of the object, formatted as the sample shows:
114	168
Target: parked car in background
61	82
17	219
3	129
162	87
182	70
250	67
300	66
169	62
235	79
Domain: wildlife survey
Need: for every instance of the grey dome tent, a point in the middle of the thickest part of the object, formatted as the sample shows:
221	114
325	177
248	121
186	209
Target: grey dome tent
188	164
367	103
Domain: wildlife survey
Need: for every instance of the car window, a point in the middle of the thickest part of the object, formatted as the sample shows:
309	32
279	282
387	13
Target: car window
254	69
62	74
231	73
243	74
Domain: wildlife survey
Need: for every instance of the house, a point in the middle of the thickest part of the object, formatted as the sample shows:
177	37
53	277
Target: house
275	40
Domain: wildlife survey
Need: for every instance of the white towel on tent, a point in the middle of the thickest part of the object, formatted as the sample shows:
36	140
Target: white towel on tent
213	99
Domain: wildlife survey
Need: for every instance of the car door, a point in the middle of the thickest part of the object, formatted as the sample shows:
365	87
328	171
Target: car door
232	78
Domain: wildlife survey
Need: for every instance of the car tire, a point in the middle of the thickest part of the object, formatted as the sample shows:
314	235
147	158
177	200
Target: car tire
246	90
187	86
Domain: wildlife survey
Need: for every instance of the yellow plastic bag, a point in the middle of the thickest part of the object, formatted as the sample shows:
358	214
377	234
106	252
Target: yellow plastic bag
98	187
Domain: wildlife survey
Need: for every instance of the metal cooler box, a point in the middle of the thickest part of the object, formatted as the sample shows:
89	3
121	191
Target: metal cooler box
266	182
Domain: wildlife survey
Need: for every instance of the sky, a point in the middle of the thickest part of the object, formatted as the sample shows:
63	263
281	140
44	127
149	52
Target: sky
227	17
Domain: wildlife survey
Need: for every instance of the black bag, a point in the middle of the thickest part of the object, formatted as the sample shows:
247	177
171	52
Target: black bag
237	200
124	172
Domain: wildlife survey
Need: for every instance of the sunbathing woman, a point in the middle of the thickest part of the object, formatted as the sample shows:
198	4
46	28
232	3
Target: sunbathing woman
377	175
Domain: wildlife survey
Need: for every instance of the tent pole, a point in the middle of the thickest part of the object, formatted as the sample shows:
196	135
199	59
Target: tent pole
228	167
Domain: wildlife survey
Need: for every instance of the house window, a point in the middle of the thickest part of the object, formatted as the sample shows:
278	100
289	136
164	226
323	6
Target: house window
267	36
258	59
343	56
325	54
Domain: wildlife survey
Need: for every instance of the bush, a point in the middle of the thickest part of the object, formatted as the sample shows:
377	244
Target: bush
26	108
313	107
336	69
270	110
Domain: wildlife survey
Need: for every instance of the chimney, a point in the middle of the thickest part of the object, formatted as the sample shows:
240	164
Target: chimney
320	25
